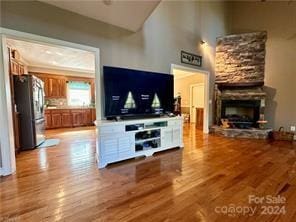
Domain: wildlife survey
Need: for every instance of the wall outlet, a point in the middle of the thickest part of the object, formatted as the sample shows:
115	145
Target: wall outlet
293	128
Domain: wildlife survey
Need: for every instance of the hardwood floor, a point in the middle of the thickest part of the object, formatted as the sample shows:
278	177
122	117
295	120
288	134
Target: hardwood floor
198	183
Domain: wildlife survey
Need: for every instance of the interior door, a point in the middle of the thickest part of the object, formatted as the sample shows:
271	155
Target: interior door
197	95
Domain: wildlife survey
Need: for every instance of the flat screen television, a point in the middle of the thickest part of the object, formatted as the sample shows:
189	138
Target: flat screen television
131	93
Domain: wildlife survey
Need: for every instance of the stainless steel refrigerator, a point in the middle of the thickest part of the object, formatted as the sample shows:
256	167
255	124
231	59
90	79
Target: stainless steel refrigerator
29	100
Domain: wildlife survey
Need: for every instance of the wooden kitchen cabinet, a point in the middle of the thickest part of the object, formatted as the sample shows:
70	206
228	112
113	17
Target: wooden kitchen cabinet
63	88
67	119
64	118
78	118
14	67
56	119
93	116
87	117
54	87
48	122
21	69
93	90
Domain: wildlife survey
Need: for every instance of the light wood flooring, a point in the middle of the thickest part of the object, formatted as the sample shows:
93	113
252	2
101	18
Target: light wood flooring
190	184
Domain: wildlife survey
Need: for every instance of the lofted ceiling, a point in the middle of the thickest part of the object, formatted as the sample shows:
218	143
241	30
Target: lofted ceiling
54	57
129	15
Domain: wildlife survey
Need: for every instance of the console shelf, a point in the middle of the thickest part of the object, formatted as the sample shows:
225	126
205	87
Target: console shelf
127	139
149	139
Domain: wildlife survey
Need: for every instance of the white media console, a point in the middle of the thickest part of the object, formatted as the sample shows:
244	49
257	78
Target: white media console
125	139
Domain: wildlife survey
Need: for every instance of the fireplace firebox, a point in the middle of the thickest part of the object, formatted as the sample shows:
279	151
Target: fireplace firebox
242	114
240	106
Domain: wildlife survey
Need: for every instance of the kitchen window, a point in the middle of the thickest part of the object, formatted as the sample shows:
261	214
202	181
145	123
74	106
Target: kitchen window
79	93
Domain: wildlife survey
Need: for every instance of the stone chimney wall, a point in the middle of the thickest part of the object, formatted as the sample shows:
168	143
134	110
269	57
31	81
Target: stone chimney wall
241	58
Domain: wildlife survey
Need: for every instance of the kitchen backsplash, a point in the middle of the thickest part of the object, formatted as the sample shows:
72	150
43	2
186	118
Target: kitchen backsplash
56	102
60	102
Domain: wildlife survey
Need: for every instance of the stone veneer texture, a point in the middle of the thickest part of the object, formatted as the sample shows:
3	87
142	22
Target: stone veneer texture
241	58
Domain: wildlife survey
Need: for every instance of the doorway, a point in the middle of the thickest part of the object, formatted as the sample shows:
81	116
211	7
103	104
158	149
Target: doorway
56	87
191	91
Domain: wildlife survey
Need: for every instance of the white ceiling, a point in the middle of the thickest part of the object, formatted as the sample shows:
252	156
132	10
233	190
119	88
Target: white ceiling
127	14
54	57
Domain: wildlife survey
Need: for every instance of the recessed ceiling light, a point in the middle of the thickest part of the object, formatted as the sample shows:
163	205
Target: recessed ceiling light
59	53
54	62
48	52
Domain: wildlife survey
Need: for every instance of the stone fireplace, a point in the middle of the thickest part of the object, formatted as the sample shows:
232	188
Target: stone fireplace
239	94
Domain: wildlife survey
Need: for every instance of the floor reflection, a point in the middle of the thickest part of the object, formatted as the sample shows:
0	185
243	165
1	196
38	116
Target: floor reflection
169	162
81	152
43	158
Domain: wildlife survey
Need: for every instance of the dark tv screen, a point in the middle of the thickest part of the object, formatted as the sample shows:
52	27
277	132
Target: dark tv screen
132	92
